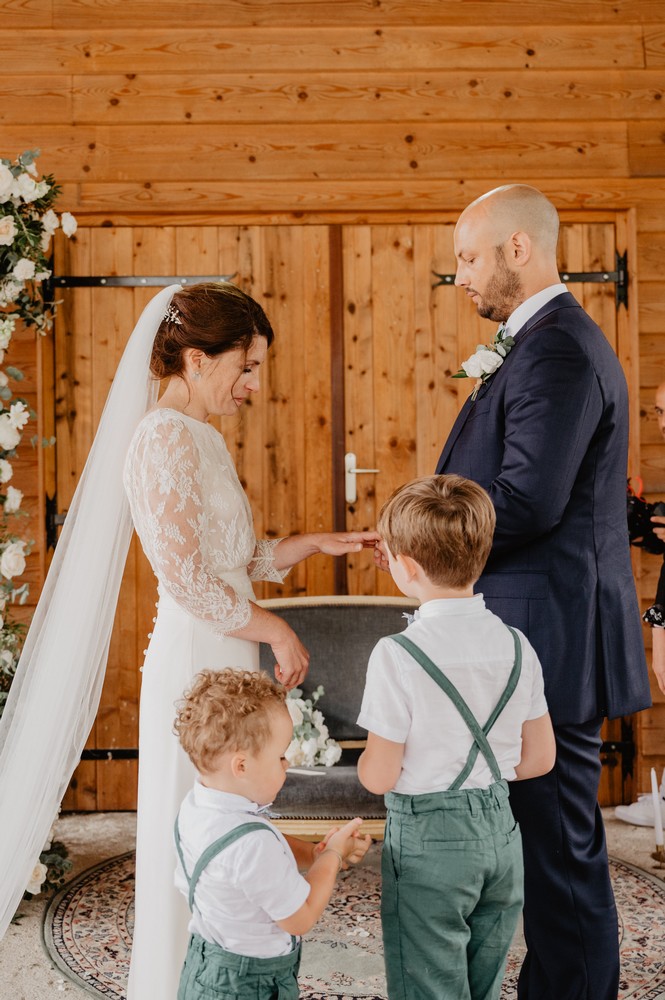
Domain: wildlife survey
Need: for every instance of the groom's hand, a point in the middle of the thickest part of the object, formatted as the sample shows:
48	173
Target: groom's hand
381	556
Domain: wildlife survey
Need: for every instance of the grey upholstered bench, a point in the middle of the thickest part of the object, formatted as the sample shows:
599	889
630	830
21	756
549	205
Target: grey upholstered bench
340	633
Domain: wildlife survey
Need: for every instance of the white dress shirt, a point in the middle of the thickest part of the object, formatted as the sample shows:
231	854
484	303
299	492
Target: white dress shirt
249	886
530	307
403	704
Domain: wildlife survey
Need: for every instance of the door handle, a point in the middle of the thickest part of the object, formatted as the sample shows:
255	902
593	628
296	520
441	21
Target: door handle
350	473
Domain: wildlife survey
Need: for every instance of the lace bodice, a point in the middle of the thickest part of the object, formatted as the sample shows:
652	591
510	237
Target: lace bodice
194	520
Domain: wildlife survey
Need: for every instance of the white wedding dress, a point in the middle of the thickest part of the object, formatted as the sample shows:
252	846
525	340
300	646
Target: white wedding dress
195	525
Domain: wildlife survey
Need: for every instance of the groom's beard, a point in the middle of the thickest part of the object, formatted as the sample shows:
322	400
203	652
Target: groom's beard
503	293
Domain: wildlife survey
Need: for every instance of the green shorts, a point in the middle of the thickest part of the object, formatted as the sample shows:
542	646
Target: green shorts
211	973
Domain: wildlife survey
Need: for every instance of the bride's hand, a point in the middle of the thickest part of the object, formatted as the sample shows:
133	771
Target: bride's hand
292	659
340	543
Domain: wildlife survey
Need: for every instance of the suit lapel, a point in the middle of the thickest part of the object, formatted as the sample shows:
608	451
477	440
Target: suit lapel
565	300
454	434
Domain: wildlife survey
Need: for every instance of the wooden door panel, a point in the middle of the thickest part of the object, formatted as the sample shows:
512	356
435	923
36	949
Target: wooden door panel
404	339
281	442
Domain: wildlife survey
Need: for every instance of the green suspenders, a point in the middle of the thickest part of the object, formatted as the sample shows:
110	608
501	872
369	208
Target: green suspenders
211	852
479	734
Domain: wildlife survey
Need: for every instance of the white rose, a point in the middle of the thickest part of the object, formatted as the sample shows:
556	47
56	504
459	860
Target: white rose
332	754
294	754
31	168
9	291
295	711
45	242
6	182
37	879
309	749
42	188
7	230
18	415
489	361
42	275
50	221
24	187
24	270
6	471
4	380
482	363
7	324
12	561
9	435
13	501
69	223
6	658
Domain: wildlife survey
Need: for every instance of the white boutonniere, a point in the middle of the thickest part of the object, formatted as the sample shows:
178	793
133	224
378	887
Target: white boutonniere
486	360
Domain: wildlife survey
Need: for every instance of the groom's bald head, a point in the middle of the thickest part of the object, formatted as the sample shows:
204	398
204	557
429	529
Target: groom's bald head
505	245
516	208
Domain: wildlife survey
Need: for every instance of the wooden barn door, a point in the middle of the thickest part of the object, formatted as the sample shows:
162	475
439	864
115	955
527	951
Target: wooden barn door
281	441
406	334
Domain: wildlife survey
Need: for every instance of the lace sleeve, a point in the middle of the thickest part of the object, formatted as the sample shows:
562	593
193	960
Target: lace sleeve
163	481
262	566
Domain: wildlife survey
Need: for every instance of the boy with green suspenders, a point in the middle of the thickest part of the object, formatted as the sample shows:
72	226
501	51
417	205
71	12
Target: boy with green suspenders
249	902
454	708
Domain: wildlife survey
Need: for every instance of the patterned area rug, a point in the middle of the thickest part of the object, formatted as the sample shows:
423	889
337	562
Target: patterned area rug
88	932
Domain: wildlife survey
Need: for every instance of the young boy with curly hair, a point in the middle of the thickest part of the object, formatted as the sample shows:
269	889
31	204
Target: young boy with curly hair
454	708
249	902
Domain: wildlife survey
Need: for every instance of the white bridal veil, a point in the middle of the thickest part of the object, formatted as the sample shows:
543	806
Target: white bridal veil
54	697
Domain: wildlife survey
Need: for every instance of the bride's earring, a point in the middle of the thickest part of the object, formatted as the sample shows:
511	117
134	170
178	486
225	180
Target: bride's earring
196	375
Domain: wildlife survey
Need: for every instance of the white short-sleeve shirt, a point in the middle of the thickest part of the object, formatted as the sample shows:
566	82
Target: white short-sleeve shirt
402	703
249	886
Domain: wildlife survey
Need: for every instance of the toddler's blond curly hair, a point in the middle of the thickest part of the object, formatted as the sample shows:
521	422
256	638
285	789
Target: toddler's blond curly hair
226	710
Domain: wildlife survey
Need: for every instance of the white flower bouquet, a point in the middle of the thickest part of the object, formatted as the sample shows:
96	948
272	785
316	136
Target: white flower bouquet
312	744
27	224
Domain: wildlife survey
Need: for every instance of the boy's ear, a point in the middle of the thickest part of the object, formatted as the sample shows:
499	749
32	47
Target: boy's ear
238	765
409	565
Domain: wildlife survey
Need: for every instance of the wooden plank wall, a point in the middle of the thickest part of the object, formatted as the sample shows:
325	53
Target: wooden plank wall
357	110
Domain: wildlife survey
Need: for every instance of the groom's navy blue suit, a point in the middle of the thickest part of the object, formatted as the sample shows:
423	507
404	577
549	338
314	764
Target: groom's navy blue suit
547	437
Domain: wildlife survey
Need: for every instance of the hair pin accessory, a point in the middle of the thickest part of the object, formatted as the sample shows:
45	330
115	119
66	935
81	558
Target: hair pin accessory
172	315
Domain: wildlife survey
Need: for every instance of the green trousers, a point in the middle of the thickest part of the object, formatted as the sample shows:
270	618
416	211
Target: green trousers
211	973
452	893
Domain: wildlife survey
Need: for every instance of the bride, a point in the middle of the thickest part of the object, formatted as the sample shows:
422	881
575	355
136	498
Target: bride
195	525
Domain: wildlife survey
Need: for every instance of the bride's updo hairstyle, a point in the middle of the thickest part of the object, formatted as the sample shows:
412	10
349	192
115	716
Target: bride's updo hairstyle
213	317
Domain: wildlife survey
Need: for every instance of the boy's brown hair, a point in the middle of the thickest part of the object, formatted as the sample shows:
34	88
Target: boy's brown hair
445	523
226	710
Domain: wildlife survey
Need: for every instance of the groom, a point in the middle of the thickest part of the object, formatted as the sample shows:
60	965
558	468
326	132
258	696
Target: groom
547	436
